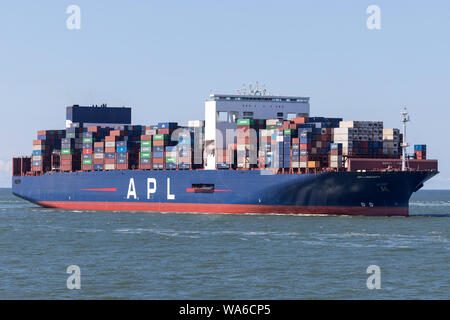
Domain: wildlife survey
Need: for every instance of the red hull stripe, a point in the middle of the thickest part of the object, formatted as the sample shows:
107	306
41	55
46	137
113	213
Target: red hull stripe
102	189
225	208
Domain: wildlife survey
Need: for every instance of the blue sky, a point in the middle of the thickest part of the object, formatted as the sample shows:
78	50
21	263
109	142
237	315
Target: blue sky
165	57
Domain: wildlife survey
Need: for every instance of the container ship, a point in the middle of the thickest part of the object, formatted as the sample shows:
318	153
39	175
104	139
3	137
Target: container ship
253	153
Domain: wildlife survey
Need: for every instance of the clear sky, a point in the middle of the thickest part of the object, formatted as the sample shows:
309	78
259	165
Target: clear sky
165	57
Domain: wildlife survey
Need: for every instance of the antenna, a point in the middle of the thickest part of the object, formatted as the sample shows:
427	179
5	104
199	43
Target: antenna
404	144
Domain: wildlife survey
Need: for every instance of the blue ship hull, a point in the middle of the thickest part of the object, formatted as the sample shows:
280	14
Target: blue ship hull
227	191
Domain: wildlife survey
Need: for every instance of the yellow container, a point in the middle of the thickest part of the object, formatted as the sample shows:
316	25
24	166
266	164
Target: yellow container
313	164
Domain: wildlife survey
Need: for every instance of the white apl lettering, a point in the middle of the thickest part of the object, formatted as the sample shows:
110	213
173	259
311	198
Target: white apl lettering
169	196
131	190
151	189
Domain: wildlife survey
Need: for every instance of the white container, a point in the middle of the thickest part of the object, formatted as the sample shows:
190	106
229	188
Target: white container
196	123
110	166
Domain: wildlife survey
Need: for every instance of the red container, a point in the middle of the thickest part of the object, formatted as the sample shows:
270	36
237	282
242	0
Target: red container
87	167
98	161
164	131
300	120
116	133
122	166
295	140
38	142
146	138
87	151
145	166
305	146
110	161
158	160
111	138
159	143
110	150
99	144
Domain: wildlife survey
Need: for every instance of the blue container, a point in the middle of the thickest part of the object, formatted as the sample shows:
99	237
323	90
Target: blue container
98	150
336	146
305	140
37	152
110	155
37	163
158	154
167	125
158	166
146	160
295	152
185	165
121	149
171	165
171	149
87	145
121	161
420	147
121	143
122	155
87	156
158	149
66	140
98	167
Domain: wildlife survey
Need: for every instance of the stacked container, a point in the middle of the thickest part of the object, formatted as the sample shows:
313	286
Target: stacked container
99	156
336	156
184	150
247	144
110	151
159	143
420	151
391	142
87	163
170	157
47	142
145	155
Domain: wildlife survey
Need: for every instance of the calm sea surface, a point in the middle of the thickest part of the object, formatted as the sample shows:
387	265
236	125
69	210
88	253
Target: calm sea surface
219	256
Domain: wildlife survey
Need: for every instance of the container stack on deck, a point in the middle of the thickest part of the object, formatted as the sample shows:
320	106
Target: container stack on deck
145	154
47	142
303	144
391	142
247	143
71	147
360	138
420	151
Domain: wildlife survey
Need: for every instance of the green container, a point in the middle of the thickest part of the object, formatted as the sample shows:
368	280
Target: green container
146	155
245	122
70	135
66	151
160	137
146	149
87	140
270	127
87	161
289	132
146	143
171	160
